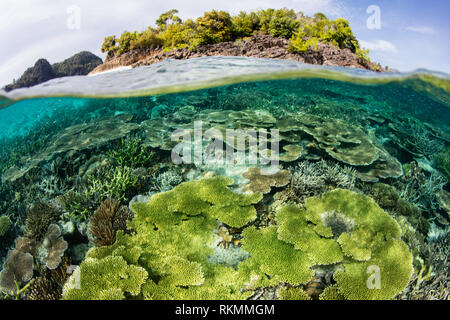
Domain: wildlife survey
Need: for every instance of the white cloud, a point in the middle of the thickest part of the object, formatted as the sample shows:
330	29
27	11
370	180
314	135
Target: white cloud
378	45
421	29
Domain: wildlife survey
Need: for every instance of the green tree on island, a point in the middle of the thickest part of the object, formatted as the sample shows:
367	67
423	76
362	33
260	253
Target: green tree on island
304	33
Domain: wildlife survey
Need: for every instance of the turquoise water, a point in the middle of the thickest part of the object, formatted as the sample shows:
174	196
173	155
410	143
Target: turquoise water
68	136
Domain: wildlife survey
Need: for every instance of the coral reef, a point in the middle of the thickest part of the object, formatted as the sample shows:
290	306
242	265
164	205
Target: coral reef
261	181
430	282
331	293
441	161
292	294
43	288
39	218
132	154
386	166
313	178
52	247
360	242
389	199
109	218
110	182
152	260
76	138
49	284
5	224
413	137
358	204
227	251
421	189
342	141
167	180
174	238
106	279
17	270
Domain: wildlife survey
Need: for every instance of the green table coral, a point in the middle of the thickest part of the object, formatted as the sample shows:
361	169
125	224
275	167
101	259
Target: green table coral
368	241
174	236
168	255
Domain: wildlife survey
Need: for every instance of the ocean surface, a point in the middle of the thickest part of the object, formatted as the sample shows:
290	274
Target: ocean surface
377	131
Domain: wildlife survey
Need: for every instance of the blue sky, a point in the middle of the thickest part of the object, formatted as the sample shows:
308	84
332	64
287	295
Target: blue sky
412	34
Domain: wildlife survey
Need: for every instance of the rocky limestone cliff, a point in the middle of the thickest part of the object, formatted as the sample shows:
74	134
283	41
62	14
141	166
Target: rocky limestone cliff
258	46
79	64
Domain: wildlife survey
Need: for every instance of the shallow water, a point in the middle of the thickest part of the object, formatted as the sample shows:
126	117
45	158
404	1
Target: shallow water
399	124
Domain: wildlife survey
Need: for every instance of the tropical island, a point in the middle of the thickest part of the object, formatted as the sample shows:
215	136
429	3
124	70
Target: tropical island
269	33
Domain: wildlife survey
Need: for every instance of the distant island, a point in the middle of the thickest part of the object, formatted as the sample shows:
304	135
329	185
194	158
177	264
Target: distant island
79	64
269	33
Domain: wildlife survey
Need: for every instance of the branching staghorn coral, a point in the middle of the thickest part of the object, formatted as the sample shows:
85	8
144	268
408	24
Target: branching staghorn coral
420	189
5	224
39	217
430	282
413	137
132	154
52	186
114	182
313	178
166	181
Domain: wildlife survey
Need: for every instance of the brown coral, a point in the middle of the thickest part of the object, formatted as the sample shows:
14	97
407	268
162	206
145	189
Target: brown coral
342	141
39	217
53	247
43	289
107	220
261	182
227	238
18	268
48	286
292	152
386	166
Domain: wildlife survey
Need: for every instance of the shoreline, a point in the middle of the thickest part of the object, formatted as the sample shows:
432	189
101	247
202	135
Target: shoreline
257	46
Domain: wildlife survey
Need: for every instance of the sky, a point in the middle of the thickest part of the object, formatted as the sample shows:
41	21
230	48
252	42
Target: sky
403	34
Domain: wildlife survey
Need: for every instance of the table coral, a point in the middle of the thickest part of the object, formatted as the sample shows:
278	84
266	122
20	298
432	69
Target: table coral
373	240
17	269
168	257
262	182
52	247
174	236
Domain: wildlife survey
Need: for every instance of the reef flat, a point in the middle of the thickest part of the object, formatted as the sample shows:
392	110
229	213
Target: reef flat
226	178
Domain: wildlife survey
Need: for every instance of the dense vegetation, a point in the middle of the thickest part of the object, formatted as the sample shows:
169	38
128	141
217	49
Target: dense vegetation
79	64
172	32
